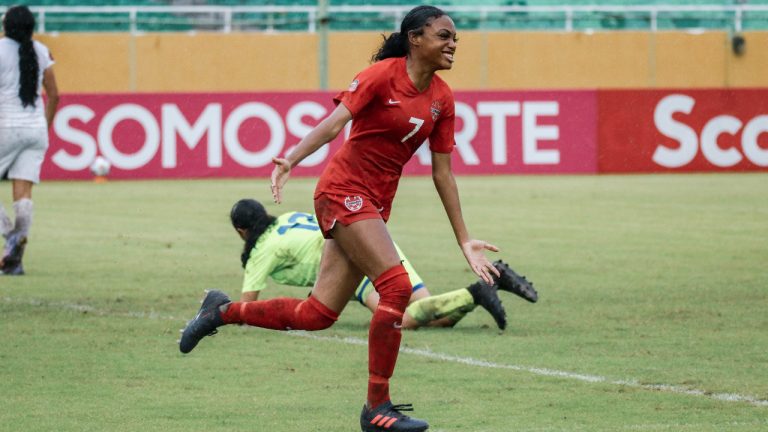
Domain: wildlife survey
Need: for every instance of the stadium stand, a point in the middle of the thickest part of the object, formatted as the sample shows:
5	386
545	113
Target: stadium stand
381	15
58	19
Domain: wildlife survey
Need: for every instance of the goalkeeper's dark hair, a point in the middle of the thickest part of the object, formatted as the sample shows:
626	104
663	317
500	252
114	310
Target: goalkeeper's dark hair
249	215
19	24
396	45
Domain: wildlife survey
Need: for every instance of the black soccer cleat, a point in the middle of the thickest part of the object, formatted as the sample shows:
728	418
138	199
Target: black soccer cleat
388	418
514	283
14	271
13	253
487	296
205	322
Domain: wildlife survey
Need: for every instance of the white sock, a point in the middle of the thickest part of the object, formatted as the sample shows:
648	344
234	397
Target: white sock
23	209
5	222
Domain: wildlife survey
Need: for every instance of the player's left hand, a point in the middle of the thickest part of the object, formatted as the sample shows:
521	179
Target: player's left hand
279	177
474	252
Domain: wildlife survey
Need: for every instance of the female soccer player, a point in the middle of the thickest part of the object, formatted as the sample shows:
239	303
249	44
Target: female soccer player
25	67
396	104
287	249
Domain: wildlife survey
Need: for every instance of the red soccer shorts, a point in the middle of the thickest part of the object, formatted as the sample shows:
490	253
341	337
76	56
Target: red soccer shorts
345	209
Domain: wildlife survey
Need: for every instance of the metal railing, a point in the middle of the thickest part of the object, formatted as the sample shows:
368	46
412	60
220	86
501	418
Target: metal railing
137	19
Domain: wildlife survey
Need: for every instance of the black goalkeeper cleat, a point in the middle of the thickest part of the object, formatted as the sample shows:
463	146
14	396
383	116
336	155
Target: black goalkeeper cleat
514	283
487	296
388	418
205	322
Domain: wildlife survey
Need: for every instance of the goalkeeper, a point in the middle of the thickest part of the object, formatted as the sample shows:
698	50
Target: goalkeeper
287	248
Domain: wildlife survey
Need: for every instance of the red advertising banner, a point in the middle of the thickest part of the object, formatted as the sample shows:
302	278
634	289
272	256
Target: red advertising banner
236	135
682	131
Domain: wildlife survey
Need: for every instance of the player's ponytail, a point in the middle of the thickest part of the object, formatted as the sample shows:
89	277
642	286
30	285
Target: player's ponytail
396	45
251	216
19	23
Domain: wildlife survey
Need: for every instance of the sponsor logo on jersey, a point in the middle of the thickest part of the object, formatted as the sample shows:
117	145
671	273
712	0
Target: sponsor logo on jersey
435	110
354	203
353	85
393	102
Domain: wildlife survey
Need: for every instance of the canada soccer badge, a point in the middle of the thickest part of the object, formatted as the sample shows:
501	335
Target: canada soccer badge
354	203
435	110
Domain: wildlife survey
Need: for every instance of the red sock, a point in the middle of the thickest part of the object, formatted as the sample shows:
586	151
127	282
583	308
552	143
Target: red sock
281	314
394	288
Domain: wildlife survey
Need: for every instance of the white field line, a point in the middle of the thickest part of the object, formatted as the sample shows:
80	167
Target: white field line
726	397
469	361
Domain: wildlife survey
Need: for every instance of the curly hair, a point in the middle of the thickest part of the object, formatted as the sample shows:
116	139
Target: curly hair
19	24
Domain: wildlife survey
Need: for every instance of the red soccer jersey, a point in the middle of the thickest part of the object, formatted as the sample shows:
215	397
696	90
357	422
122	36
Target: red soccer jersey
390	120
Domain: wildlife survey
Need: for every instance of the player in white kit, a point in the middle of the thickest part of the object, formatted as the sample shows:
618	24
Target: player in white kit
25	68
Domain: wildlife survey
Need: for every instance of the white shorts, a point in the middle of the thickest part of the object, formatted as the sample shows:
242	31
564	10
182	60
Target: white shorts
22	151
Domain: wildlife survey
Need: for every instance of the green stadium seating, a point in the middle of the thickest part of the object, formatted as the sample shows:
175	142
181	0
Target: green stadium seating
385	21
97	2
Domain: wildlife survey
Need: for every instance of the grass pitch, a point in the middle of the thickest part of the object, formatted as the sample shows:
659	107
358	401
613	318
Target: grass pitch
652	312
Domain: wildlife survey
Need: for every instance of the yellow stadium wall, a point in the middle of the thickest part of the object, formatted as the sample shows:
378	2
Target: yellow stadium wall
210	62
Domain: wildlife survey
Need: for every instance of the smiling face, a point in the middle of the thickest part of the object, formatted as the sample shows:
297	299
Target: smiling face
437	44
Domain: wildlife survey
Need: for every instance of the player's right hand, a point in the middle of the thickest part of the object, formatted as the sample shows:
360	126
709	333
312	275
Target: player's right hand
279	177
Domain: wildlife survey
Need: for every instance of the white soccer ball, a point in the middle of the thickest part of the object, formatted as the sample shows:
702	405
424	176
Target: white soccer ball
100	166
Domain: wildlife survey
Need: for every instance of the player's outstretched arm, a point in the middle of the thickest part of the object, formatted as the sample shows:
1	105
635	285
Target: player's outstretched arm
474	250
323	133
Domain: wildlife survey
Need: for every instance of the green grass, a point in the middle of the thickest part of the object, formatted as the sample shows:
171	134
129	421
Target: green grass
649	280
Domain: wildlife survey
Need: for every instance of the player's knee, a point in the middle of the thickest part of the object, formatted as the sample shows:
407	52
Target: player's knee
394	287
312	315
316	322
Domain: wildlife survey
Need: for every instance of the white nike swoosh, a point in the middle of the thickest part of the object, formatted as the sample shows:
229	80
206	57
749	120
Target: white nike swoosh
393	102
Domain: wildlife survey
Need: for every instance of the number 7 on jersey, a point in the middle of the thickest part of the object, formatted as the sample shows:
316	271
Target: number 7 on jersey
416	121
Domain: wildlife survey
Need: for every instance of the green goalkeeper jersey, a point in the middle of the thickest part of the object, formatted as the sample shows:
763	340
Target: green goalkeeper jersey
288	251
